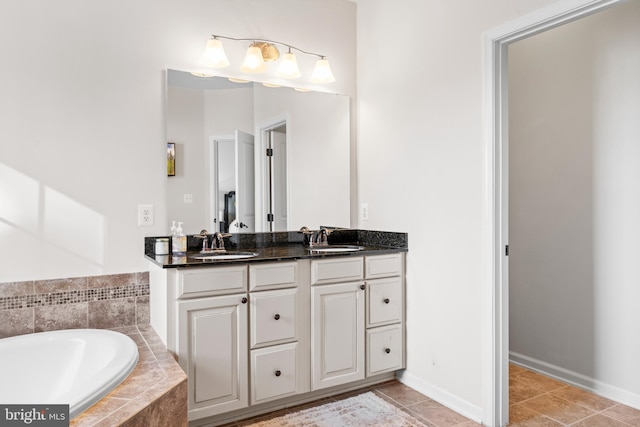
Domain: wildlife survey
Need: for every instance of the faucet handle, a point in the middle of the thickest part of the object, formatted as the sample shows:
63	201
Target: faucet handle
203	234
305	230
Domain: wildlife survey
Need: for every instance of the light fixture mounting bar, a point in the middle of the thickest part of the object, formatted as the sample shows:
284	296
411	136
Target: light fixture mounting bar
217	36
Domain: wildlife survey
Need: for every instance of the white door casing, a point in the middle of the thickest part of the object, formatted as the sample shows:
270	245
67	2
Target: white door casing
495	228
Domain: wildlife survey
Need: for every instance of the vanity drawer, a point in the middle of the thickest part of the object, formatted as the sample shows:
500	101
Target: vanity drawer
342	269
200	282
384	301
273	372
383	266
384	349
273	317
272	276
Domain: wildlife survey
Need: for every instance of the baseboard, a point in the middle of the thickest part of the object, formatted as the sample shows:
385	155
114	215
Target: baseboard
441	396
574	378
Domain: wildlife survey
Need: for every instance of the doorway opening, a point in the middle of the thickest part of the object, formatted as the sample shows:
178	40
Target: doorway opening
275	194
496	233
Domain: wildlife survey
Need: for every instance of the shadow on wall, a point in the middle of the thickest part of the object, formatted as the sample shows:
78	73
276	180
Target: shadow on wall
48	227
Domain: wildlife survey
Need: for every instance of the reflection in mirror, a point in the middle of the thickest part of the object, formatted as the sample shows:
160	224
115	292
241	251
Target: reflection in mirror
252	158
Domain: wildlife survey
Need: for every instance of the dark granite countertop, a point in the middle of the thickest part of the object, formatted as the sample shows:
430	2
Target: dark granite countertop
282	246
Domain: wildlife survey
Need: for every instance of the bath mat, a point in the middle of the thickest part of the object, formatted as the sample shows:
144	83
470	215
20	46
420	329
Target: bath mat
363	410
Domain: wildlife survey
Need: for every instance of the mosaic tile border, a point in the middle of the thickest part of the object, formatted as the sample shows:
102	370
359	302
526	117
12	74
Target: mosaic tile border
101	302
72	297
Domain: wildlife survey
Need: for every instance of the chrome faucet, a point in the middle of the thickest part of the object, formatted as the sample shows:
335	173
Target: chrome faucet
318	237
218	241
204	235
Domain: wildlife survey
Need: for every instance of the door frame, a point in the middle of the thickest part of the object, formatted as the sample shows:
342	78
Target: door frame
262	131
496	188
212	192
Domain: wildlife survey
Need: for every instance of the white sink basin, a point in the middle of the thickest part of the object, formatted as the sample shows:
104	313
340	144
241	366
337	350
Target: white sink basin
224	256
336	248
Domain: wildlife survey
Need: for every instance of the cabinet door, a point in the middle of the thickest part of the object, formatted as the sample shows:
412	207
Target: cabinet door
337	334
213	351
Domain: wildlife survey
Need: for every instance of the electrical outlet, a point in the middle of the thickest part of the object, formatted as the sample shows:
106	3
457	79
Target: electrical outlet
364	211
188	198
145	215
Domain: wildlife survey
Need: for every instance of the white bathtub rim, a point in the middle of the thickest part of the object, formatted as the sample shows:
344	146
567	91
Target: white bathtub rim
91	396
94	398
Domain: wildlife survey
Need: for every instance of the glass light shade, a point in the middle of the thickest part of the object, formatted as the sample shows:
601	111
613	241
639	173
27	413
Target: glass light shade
253	62
288	68
322	72
214	55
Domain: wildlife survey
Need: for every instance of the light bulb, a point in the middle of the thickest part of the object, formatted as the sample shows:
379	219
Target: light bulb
253	62
322	72
214	55
288	68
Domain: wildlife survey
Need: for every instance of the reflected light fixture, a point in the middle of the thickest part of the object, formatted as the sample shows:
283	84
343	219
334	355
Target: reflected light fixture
262	51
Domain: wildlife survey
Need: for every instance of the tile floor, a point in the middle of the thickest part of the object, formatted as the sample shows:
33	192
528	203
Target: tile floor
535	401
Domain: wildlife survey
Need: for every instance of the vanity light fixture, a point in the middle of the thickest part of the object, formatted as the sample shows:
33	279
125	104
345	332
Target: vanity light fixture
262	51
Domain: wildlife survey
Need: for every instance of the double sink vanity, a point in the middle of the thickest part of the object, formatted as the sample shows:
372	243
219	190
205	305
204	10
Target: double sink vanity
271	322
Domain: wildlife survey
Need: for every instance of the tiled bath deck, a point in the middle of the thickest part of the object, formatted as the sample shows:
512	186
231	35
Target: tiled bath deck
154	394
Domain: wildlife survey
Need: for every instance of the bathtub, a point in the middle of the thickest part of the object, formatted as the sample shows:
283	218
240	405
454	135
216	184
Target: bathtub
74	366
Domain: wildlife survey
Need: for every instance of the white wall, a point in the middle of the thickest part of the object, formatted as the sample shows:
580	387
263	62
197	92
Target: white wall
193	116
82	137
420	169
318	165
185	127
575	201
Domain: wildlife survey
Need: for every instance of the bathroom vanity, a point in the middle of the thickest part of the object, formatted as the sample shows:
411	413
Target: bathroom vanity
285	326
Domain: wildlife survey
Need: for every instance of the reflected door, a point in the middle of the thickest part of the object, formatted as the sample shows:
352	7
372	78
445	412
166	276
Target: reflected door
277	217
232	196
245	184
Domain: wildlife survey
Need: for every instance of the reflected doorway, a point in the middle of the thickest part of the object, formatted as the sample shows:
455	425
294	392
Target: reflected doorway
232	183
275	177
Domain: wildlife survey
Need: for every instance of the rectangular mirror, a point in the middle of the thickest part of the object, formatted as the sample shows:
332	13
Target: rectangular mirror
254	158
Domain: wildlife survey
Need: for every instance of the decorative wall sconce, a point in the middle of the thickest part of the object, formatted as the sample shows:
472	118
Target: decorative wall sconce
262	51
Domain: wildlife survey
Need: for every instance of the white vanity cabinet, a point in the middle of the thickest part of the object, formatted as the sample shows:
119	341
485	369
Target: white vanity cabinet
259	336
357	318
211	344
279	344
384	275
337	321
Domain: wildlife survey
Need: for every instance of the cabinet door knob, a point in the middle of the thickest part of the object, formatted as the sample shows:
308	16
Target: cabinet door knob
277	317
244	300
278	373
363	287
386	300
387	350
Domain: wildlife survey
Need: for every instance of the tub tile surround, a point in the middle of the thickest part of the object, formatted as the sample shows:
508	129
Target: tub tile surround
154	394
100	302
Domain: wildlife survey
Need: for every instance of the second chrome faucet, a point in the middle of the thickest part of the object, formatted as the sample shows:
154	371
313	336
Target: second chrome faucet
217	241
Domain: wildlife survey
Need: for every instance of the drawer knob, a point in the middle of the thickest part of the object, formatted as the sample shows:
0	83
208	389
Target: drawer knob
277	317
363	287
278	373
386	300
387	350
244	300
